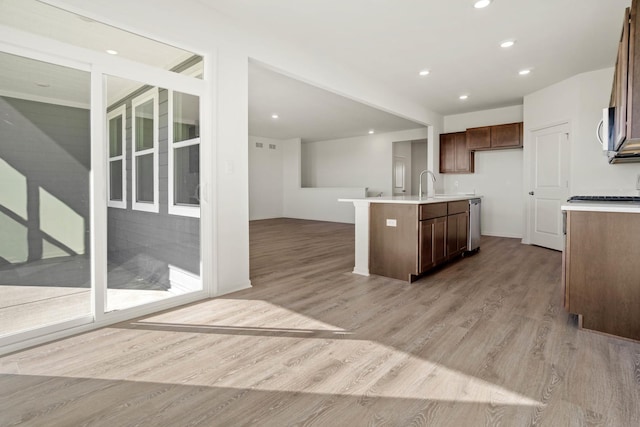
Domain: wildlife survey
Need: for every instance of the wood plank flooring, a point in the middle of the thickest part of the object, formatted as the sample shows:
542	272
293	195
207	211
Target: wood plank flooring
483	341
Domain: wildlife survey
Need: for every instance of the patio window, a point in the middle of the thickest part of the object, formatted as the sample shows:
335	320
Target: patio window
145	152
184	154
117	158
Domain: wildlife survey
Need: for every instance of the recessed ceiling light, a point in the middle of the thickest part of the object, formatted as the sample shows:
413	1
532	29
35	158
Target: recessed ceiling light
524	72
507	43
481	3
371	132
112	52
274	116
424	73
463	97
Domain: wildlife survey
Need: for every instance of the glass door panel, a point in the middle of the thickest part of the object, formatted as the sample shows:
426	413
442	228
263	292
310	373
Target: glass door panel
153	253
45	165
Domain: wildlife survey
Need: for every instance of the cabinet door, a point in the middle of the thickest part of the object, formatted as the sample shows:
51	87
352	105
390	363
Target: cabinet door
620	89
479	138
440	240
463	158
452	235
457	234
427	260
463	231
506	136
433	243
447	153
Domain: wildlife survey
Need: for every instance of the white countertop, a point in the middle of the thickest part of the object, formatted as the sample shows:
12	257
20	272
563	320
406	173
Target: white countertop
415	200
624	207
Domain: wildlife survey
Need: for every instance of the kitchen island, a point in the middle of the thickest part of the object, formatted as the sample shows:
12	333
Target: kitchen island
403	237
601	268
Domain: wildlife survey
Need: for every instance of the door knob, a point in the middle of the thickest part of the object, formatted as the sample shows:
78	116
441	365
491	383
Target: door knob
531	193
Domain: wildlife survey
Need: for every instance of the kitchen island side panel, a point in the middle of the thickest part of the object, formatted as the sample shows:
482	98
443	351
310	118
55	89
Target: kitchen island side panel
393	250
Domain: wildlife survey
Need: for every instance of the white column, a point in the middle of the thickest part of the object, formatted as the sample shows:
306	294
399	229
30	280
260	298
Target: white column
362	237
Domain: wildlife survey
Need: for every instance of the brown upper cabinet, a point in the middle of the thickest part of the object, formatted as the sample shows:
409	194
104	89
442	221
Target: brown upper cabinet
495	137
455	157
625	93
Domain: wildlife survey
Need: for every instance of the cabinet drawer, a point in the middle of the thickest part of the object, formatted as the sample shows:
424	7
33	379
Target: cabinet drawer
458	207
433	210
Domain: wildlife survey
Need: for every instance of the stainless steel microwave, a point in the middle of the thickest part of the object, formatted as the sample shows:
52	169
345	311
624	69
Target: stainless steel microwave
606	129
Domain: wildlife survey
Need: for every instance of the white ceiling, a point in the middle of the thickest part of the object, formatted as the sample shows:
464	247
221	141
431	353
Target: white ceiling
308	112
390	41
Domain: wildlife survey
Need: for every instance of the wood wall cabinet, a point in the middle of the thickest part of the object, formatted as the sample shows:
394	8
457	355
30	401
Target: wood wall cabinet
455	157
625	93
601	271
497	137
407	240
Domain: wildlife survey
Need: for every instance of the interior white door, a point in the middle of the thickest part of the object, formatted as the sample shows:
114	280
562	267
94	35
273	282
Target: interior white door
399	176
550	185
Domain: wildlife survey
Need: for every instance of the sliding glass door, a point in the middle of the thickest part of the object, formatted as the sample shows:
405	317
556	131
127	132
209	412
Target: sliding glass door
100	183
45	167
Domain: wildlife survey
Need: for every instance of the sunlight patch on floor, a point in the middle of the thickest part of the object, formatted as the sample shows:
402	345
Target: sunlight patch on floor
223	309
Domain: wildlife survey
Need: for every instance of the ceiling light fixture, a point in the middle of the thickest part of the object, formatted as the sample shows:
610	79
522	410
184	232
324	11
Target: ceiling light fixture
274	116
424	73
481	4
507	43
524	72
371	132
111	52
463	97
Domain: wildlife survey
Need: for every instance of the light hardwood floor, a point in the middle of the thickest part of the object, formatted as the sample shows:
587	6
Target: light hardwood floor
483	341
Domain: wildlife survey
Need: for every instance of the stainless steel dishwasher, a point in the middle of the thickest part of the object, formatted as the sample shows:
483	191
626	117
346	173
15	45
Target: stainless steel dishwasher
473	237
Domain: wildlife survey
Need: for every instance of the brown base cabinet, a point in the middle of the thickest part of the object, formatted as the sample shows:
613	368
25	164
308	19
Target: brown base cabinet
601	271
407	240
433	243
457	226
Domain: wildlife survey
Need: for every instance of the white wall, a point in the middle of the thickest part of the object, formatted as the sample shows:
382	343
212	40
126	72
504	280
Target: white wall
579	101
319	204
231	160
364	161
265	178
497	177
418	164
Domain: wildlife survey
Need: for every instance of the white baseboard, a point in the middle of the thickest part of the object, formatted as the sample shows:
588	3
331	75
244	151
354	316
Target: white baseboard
234	288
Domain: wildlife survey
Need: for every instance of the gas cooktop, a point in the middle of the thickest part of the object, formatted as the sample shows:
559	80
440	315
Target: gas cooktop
635	199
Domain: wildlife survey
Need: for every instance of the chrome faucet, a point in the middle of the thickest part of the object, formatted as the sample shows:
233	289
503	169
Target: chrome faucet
433	178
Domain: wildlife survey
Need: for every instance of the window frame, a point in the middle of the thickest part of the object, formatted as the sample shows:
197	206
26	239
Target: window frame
154	207
173	208
120	204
